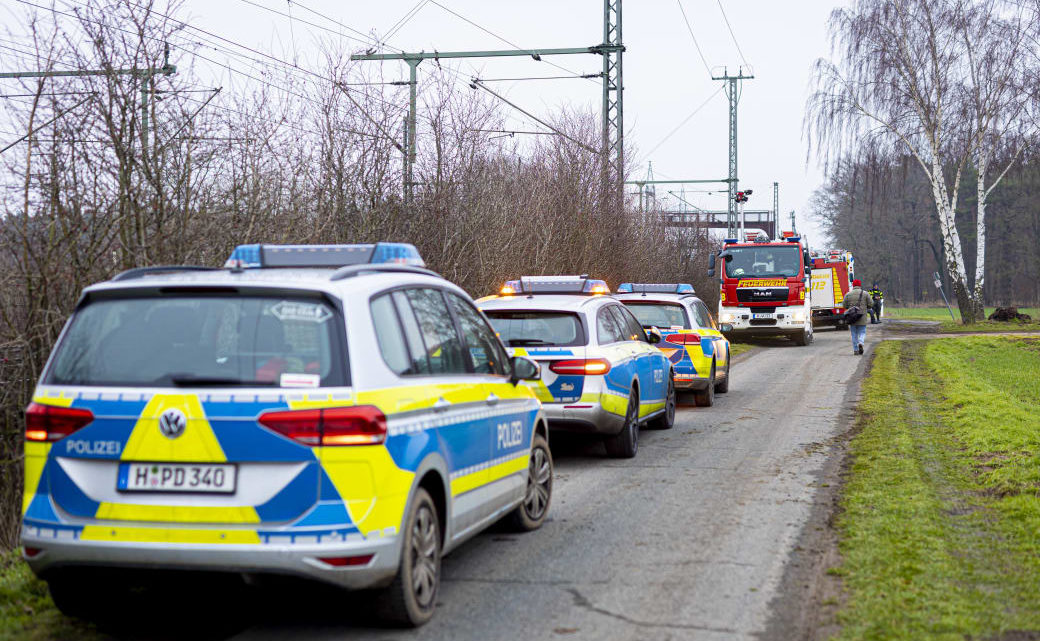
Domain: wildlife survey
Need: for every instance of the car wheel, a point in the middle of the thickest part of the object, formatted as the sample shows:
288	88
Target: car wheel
706	396
667	418
625	443
723	386
530	514
410	600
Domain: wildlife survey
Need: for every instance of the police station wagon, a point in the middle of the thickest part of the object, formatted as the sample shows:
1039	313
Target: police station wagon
600	373
691	339
333	412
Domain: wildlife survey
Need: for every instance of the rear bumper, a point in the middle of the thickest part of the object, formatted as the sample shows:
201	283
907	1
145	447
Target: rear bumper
582	418
292	559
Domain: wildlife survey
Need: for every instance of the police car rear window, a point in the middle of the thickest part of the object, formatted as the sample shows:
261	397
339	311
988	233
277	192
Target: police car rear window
533	329
202	340
659	314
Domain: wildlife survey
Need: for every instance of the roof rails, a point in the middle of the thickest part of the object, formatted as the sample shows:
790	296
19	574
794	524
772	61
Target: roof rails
138	272
351	271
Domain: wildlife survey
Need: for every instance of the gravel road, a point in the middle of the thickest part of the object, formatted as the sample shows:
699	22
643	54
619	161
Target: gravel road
689	540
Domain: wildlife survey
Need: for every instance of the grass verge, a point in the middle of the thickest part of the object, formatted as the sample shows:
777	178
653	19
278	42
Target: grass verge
26	610
739	348
942	314
940	511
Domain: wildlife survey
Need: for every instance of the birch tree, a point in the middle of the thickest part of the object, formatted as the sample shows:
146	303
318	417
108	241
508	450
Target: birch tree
895	84
996	101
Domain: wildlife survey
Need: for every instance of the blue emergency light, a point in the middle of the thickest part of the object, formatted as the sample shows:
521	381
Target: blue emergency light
730	241
655	288
331	256
555	285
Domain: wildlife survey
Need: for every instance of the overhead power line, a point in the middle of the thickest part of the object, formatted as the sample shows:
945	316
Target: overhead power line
684	121
696	44
733	35
405	19
478	83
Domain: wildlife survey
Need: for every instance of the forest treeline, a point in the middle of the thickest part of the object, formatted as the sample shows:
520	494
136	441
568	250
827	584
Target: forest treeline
125	170
880	207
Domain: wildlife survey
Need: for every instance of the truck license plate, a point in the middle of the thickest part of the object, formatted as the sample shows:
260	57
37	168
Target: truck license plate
210	478
763	315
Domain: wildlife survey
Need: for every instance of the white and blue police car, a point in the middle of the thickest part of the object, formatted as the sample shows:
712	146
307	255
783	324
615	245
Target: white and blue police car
600	371
333	412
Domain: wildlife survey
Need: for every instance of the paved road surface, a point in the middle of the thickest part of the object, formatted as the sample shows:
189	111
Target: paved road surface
686	541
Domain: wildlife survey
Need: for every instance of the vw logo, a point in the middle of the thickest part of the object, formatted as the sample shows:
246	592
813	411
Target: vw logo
172	423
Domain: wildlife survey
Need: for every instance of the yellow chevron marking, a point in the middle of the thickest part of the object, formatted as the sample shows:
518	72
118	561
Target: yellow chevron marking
197	444
35	460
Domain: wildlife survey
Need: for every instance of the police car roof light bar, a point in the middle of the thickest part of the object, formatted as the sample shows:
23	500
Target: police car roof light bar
580	284
261	256
655	288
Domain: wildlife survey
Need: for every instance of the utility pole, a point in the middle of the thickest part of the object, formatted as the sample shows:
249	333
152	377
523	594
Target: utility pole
613	124
613	107
793	228
776	205
147	75
733	88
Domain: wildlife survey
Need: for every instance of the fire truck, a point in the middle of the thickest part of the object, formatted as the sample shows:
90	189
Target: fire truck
764	287
832	272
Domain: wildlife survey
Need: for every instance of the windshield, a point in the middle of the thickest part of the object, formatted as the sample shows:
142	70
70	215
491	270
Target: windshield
763	261
666	315
201	340
532	329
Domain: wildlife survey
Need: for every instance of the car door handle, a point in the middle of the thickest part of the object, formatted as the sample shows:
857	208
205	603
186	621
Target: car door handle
492	399
440	405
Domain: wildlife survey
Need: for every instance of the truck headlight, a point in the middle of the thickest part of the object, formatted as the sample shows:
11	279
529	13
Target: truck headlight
798	316
728	317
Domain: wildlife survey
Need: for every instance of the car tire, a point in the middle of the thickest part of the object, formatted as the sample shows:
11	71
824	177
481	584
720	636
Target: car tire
530	514
666	419
410	600
723	386
706	396
625	443
802	338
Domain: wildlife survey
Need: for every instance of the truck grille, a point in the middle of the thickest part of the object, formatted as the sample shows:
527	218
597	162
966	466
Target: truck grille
761	294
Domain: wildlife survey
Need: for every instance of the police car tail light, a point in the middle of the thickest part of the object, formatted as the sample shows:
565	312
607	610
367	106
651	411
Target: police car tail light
581	367
683	339
335	426
46	423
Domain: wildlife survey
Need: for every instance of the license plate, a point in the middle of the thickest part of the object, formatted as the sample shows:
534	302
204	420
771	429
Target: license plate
210	478
762	315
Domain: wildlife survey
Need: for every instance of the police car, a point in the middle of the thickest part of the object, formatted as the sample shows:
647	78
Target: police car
691	339
600	372
334	412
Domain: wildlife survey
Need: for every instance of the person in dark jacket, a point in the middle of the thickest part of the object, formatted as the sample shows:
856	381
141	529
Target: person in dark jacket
858	297
876	296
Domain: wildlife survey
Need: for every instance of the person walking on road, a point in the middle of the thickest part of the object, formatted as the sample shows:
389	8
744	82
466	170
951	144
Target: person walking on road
857	297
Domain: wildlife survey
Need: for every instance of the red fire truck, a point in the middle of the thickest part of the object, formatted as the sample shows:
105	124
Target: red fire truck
764	287
832	272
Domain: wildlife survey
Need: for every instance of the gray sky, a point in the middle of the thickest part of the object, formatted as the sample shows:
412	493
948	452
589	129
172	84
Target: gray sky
664	77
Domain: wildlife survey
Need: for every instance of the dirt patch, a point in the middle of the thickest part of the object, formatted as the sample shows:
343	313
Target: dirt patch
810	595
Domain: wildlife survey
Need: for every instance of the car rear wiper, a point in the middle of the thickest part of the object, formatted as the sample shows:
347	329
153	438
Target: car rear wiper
528	341
213	381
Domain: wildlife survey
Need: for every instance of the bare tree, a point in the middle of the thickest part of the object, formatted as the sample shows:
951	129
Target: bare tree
899	83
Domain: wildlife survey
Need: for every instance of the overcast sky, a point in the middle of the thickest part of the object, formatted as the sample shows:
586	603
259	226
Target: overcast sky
665	79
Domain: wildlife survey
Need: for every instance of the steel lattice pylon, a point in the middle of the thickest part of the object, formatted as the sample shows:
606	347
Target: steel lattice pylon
733	92
613	104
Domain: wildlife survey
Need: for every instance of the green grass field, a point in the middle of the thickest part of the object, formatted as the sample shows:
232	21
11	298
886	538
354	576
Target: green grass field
942	315
26	610
739	348
940	511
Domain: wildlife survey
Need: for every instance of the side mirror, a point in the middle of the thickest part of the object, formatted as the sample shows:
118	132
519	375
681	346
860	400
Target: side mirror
711	261
711	271
524	369
725	327
653	335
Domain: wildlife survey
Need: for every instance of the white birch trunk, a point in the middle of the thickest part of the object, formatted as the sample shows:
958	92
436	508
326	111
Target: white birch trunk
946	208
980	240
